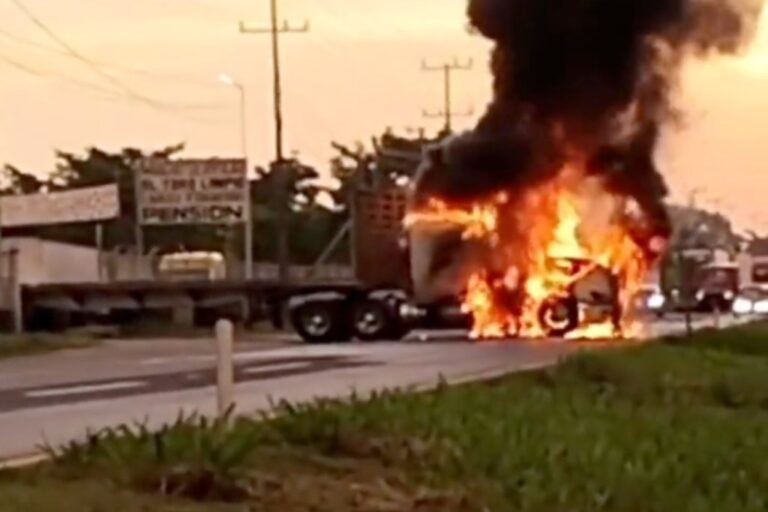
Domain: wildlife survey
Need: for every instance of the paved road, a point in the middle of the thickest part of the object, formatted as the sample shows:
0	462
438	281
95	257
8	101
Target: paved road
57	397
106	389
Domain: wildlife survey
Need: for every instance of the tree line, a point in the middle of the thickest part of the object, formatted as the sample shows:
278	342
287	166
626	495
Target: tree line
315	211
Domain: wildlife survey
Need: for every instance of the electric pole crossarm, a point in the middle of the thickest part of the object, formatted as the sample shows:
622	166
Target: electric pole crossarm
447	69
441	113
455	65
285	28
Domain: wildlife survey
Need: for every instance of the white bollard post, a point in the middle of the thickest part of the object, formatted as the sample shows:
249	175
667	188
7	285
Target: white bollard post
717	316
225	372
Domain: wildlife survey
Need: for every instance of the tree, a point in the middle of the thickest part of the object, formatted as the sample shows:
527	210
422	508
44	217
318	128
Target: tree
392	161
98	167
21	183
292	184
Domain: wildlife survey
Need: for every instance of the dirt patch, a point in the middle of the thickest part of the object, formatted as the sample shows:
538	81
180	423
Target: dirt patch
348	485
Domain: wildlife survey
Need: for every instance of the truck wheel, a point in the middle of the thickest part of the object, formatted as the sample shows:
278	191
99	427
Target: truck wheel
321	322
373	321
559	316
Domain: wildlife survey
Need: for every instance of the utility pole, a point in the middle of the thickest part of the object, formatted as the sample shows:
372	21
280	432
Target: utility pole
275	30
447	112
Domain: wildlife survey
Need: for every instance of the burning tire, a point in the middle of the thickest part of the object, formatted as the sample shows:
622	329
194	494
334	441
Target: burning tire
559	316
321	322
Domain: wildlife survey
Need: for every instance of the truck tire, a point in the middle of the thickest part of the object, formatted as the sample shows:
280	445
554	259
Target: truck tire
321	322
372	320
559	316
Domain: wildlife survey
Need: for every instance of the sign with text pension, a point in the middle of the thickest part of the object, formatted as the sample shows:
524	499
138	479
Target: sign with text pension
192	191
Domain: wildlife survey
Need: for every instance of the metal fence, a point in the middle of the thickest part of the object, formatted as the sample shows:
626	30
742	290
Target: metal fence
129	267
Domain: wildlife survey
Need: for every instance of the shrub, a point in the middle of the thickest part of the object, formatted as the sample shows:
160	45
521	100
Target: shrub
194	457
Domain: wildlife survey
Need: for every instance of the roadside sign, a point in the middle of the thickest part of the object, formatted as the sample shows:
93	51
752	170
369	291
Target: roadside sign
192	191
80	205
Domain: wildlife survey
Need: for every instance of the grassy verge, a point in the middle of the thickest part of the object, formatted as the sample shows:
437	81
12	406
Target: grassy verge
672	427
33	344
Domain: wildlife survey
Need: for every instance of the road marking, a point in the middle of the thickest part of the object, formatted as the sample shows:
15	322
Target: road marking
85	390
331	350
278	367
156	361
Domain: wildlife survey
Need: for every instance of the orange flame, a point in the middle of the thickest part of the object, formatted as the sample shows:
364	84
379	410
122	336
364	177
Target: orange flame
549	241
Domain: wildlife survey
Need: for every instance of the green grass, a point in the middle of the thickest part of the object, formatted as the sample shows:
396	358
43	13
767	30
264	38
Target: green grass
34	344
678	426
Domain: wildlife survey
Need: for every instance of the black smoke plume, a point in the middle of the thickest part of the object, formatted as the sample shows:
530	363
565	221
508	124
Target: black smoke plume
596	76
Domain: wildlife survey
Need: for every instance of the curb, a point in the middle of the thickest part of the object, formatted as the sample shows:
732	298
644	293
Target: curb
22	461
488	375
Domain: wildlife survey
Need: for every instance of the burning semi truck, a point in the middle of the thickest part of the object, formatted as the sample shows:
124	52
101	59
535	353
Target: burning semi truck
551	261
544	218
562	258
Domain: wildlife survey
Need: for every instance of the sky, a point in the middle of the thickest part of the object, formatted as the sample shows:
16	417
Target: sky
153	83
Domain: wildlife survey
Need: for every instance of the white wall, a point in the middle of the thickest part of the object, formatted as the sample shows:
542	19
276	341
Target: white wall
43	261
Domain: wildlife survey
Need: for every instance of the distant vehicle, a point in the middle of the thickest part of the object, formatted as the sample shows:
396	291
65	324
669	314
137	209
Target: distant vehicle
713	286
716	286
192	266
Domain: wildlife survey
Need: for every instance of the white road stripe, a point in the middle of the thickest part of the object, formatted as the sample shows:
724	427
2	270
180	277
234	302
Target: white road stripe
344	350
155	361
84	390
280	367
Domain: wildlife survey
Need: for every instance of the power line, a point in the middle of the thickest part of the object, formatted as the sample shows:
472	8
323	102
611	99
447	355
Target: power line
42	74
74	53
117	95
160	75
105	93
447	112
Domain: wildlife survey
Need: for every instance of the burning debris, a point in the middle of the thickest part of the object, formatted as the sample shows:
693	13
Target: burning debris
548	214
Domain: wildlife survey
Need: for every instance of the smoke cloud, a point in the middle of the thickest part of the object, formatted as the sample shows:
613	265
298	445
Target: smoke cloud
595	77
